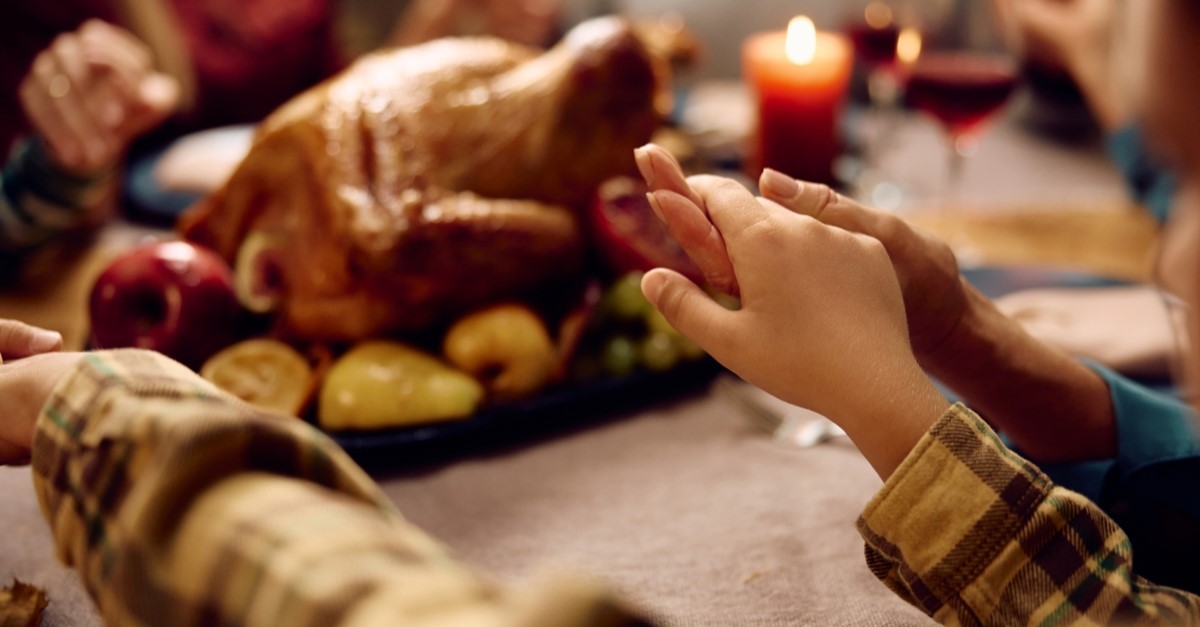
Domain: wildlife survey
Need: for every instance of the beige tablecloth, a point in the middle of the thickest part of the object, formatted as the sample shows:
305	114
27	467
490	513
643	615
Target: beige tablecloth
688	511
685	509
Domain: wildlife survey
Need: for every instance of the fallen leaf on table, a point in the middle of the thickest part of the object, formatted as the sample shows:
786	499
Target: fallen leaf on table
21	605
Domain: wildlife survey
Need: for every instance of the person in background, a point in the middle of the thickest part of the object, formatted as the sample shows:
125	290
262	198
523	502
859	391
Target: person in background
84	82
841	310
797	255
1077	39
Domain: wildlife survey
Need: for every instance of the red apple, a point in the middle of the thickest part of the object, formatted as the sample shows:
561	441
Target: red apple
628	234
171	297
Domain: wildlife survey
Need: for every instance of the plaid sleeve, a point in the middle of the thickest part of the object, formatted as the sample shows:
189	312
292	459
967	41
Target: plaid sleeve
180	505
973	534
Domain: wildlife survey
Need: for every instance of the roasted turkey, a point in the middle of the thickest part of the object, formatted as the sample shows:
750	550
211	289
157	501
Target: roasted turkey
426	181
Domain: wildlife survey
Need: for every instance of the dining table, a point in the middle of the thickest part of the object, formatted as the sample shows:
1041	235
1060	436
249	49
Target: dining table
681	502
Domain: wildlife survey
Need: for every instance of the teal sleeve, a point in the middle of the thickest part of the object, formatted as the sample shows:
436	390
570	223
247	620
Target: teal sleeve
1150	183
1152	428
1152	486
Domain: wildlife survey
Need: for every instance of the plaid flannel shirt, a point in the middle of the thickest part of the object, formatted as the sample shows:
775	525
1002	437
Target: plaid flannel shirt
972	534
180	505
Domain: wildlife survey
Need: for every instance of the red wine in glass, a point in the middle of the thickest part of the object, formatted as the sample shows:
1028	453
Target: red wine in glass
874	46
960	89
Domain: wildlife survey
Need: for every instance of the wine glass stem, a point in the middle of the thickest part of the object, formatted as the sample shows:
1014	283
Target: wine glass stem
955	166
954	170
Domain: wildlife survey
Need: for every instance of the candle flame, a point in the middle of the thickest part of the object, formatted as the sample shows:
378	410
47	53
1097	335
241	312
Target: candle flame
801	40
908	45
878	15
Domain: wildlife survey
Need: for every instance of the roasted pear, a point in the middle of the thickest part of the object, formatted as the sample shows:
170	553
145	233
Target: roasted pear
507	347
381	384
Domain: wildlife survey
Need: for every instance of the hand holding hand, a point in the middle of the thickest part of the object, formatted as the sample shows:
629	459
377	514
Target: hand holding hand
822	321
934	300
91	93
25	385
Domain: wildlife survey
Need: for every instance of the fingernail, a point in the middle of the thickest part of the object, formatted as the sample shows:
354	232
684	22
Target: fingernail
779	185
655	207
652	286
642	157
45	341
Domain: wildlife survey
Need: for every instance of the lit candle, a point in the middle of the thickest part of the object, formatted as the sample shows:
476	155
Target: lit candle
800	77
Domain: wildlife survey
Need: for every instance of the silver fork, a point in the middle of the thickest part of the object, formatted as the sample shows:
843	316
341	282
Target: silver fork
783	426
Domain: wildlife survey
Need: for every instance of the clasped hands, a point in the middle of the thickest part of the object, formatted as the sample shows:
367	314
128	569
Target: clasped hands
840	304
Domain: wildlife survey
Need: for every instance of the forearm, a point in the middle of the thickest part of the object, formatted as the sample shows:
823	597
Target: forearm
970	533
1063	410
176	502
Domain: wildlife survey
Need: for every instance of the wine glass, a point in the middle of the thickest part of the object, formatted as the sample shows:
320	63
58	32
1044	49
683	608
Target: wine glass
963	88
883	34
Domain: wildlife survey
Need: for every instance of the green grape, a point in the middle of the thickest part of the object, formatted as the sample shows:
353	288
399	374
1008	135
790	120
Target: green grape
659	352
620	356
657	323
625	299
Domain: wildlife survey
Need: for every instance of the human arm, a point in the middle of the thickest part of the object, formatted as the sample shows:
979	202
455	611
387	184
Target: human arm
1076	37
971	533
177	504
960	514
19	340
955	333
821	323
87	97
91	93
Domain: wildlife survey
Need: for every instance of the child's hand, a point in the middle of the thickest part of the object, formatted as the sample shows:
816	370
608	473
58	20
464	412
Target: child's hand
934	298
925	267
822	321
25	386
18	339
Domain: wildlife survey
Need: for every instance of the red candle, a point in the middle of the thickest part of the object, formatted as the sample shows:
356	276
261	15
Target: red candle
800	77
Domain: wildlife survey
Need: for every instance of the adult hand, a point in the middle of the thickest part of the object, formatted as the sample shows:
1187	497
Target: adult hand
26	384
91	93
821	324
934	300
1075	36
